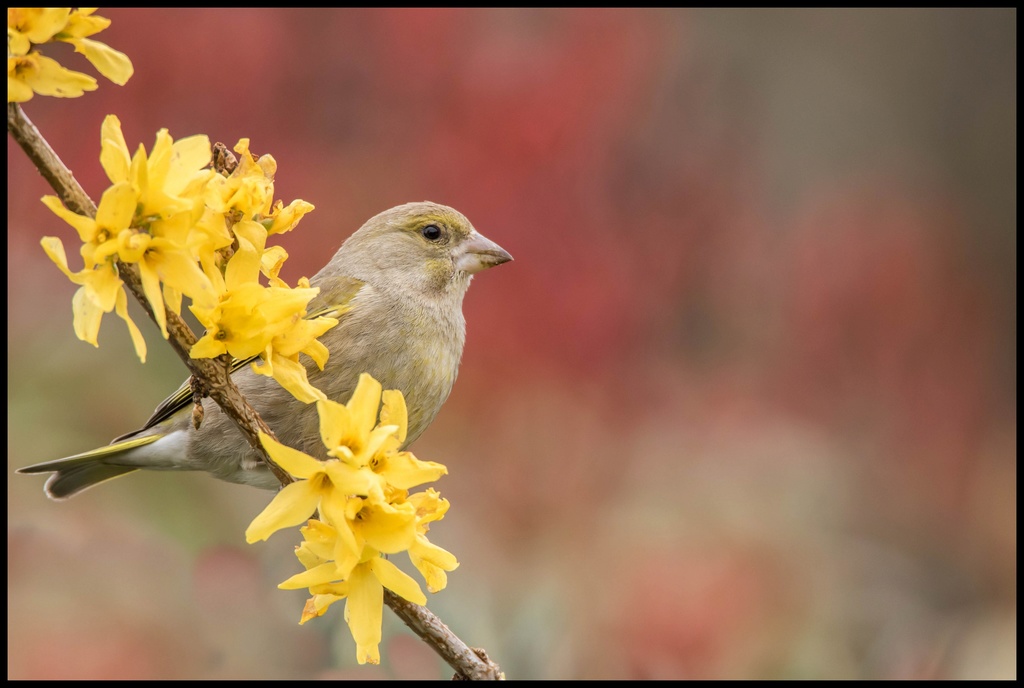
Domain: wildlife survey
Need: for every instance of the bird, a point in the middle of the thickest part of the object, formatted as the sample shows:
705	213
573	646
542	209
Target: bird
402	277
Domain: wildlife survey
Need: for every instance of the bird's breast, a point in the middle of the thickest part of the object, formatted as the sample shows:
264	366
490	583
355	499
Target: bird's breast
412	347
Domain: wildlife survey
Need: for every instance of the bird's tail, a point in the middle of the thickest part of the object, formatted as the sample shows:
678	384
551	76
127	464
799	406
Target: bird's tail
76	473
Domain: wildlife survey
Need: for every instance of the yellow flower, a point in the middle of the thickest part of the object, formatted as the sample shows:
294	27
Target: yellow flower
237	324
111	63
363	585
30	72
234	326
431	561
348	430
365	606
342	553
326	485
166	203
364	609
401	470
99	235
361	526
249	190
319	540
169	180
163	258
271	262
102	236
251	319
207	237
373	525
162	254
101	293
28	25
351	433
284	219
164	178
35	73
281	357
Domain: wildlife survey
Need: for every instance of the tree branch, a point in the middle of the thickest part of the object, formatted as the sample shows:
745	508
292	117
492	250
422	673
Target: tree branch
470	663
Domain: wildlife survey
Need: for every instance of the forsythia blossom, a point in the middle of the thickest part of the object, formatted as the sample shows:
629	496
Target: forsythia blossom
29	72
193	232
361	492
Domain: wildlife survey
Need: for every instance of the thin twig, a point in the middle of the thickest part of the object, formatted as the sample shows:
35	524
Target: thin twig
471	663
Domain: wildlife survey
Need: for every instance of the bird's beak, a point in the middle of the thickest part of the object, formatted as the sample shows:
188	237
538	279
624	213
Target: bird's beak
479	253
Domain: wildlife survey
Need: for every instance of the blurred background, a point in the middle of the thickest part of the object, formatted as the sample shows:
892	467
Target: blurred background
744	406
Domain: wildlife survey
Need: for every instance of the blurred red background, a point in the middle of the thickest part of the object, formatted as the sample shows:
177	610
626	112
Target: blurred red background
744	406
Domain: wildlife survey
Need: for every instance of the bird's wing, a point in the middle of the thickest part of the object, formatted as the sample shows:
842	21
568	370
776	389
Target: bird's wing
331	303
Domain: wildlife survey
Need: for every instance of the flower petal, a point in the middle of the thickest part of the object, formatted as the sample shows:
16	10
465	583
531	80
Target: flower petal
394	412
208	346
190	155
111	63
292	376
364	404
114	156
318	575
54	248
17	90
318	604
244	266
85	226
318	352
87	317
364	612
351	480
438	556
335	422
292	460
405	471
138	341
289	507
155	296
285	219
116	208
176	267
388	528
396	580
48	78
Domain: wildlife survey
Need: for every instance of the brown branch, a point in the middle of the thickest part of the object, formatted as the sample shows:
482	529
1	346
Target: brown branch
472	664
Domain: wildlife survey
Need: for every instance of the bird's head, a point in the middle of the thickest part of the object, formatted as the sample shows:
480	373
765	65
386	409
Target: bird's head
425	247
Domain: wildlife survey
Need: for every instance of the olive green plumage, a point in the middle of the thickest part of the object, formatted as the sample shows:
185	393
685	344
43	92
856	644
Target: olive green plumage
403	274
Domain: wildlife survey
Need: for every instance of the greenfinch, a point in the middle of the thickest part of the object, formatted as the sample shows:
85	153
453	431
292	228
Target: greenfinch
403	276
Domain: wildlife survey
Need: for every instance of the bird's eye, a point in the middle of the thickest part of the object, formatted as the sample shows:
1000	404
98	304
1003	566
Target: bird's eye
431	232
